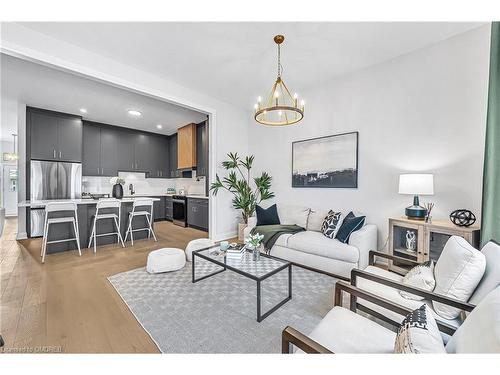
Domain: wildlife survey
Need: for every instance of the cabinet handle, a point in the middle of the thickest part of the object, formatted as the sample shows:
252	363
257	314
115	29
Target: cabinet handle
54	153
97	170
60	155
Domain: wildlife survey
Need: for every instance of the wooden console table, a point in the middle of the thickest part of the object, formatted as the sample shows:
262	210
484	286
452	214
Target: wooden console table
430	239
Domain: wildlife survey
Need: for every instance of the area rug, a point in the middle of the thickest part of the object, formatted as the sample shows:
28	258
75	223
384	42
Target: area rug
218	314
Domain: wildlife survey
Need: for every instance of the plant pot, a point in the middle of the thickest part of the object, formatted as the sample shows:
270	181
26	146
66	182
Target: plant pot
117	191
241	228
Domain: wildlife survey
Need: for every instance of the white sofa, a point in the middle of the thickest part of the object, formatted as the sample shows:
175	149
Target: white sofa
312	249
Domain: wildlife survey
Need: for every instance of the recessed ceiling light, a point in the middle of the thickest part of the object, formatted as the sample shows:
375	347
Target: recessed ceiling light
159	126
133	112
83	110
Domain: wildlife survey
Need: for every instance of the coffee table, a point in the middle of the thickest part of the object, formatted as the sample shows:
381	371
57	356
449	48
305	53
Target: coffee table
259	271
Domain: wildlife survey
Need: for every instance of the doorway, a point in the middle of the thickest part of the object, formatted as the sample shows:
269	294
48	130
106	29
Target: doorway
9	189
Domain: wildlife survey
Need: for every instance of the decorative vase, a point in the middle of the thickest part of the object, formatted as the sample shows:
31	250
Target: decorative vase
411	240
241	228
117	191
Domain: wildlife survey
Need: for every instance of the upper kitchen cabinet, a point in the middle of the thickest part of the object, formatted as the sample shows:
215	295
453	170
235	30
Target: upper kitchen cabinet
133	151
100	150
159	153
172	149
186	152
55	136
202	149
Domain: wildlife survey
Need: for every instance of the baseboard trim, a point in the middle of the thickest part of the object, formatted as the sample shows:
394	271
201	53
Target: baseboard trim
22	236
225	236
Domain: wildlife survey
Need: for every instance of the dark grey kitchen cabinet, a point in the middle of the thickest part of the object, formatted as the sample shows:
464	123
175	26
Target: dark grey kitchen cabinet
91	165
100	150
159	157
197	213
169	208
69	138
202	149
43	136
142	154
159	209
172	148
54	136
126	157
109	151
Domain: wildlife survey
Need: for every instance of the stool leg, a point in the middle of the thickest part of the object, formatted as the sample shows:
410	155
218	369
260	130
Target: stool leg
91	235
150	227
44	239
95	236
77	236
44	249
118	232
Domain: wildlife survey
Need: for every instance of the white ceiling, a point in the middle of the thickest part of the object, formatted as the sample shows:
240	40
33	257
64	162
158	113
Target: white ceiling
236	62
48	88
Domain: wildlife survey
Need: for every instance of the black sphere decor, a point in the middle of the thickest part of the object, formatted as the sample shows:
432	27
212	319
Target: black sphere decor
117	191
462	217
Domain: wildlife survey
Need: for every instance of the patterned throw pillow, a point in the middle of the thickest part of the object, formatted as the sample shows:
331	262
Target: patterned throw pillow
419	333
421	276
331	224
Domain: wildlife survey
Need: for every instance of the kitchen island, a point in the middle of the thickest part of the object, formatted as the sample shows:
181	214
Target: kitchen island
86	211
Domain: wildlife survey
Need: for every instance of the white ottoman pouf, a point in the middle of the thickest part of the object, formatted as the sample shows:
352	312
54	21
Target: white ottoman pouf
165	260
198	244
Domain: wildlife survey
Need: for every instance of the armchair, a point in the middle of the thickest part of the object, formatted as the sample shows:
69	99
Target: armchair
387	284
344	331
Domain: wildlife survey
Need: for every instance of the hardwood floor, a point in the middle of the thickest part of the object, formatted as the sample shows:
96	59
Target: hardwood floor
67	304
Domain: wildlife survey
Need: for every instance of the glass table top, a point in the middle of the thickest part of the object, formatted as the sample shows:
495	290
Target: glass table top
259	268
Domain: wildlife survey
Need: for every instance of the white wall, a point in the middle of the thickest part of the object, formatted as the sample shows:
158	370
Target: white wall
425	111
229	132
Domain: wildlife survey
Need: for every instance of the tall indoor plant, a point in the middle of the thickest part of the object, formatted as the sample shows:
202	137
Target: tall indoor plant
238	183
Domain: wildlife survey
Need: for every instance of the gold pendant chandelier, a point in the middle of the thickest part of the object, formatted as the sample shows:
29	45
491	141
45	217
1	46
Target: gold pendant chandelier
280	108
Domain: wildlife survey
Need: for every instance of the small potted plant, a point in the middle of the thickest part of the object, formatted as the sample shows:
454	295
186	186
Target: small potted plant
117	183
253	243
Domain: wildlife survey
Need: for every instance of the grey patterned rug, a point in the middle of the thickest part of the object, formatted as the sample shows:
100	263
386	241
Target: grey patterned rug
218	314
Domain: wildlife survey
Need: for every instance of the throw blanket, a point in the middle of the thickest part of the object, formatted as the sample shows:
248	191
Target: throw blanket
272	232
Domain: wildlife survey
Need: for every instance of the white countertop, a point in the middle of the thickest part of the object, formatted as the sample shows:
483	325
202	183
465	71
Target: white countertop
197	196
43	203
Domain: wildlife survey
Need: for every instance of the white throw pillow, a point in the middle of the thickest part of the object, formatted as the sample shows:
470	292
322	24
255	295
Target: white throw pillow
290	215
458	272
421	276
315	219
419	333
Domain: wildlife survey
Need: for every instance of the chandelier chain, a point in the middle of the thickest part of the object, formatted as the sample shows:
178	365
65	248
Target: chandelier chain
279	60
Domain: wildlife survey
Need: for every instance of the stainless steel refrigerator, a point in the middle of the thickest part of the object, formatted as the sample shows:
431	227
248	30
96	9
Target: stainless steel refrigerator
52	180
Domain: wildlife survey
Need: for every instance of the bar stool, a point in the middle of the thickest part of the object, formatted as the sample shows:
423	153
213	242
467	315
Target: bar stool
141	202
110	203
53	207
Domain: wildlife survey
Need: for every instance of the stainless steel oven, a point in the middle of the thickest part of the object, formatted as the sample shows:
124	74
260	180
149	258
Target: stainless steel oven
179	210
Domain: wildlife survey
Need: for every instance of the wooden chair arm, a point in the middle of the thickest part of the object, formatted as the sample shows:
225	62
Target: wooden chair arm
410	289
372	254
292	336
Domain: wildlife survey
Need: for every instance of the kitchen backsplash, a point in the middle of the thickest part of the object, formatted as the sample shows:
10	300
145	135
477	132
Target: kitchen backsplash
143	185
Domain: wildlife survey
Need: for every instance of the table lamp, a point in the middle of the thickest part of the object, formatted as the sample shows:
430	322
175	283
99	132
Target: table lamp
416	184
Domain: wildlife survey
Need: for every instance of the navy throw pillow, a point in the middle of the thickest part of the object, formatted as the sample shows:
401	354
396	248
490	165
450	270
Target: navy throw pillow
350	224
267	216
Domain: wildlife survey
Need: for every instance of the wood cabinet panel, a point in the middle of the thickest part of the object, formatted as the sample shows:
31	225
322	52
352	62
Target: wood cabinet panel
186	141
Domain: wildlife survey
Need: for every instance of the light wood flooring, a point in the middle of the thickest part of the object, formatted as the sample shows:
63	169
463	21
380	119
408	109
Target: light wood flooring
67	304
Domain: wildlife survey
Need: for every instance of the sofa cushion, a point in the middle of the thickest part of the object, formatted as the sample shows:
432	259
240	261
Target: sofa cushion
350	224
315	219
316	243
393	295
343	331
480	332
458	272
491	277
267	216
331	224
290	215
419	333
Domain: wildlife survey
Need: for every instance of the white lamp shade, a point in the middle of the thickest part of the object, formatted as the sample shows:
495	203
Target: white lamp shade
416	184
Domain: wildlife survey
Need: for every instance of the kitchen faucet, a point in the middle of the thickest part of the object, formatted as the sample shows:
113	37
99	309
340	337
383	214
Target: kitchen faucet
131	188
